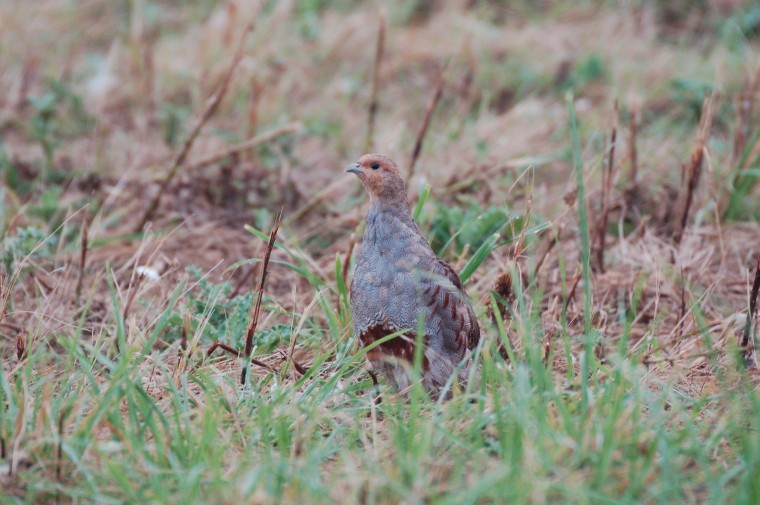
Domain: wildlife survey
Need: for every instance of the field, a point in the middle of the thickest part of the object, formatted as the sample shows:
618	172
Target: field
589	167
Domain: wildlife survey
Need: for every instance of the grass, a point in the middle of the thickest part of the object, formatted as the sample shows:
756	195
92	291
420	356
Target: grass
620	385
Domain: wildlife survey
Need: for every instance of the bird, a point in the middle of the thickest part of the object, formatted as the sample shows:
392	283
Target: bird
400	286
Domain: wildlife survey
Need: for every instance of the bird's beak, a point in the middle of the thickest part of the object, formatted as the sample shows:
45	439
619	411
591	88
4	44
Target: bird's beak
354	168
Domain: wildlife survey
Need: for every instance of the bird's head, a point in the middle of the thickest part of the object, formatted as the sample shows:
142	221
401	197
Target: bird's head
381	178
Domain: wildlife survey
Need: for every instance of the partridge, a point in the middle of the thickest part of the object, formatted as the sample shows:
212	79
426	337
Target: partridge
400	284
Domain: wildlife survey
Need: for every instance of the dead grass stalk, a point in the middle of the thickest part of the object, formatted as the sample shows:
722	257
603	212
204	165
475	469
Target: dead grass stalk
256	308
368	140
632	152
82	260
607	178
744	114
747	333
426	120
179	158
695	165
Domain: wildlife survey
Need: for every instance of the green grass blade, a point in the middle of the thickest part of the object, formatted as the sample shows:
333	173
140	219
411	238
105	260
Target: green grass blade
421	202
479	257
583	230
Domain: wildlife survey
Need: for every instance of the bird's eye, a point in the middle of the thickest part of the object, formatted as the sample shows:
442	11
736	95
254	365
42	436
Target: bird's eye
375	166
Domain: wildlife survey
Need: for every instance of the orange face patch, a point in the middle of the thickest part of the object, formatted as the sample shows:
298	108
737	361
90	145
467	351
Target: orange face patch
381	178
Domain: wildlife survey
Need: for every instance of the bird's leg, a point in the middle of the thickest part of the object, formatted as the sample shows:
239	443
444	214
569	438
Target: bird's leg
378	399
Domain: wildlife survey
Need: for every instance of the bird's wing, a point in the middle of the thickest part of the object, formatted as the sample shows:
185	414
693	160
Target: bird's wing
449	310
450	274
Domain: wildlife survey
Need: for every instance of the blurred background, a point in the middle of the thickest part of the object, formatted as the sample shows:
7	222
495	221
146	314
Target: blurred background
105	92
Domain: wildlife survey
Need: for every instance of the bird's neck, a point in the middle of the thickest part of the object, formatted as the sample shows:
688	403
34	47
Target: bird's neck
397	207
387	192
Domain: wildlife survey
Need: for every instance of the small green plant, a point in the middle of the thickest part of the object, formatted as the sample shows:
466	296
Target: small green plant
457	226
173	117
588	70
745	175
225	319
49	204
690	92
746	20
26	242
59	113
41	128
